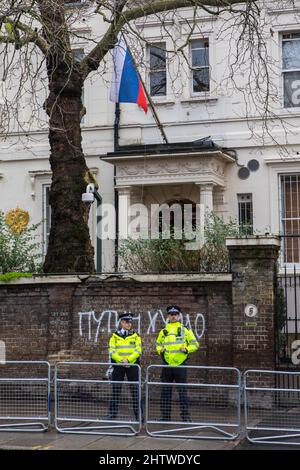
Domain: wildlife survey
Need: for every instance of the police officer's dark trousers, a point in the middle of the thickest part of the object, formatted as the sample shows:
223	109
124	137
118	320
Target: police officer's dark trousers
177	375
118	375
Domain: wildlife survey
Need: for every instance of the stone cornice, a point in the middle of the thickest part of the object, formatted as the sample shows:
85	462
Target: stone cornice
281	161
201	154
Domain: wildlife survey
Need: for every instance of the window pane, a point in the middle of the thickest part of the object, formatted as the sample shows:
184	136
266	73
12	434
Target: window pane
78	54
158	75
157	58
199	43
158	83
290	217
201	80
291	35
245	207
200	58
291	89
291	55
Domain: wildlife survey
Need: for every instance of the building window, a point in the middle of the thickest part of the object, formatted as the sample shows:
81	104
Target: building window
158	72
200	65
291	69
46	216
290	217
245	213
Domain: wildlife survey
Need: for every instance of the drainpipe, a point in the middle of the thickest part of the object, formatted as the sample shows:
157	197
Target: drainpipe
117	127
116	147
117	224
99	239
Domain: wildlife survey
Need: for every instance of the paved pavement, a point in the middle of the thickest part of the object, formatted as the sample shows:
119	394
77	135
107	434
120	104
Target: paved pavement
52	440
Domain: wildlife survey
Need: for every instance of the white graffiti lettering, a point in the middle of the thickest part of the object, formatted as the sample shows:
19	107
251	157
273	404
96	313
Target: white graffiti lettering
153	318
93	324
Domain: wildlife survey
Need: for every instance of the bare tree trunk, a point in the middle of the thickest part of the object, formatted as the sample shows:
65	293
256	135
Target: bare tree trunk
70	248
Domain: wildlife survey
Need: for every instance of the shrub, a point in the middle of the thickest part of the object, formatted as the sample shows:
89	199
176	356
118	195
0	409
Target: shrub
171	255
19	250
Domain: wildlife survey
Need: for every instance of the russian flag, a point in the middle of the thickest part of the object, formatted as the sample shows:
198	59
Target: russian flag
126	85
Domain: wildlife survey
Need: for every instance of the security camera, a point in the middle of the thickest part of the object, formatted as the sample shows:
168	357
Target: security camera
89	197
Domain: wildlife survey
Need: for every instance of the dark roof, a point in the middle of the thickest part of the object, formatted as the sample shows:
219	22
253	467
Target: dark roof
205	144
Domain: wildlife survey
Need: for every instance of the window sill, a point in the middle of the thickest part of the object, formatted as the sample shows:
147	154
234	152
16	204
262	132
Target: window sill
196	99
192	99
290	111
165	101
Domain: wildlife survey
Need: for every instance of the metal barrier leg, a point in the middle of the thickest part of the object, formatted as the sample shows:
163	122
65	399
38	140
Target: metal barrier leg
226	435
24	427
99	430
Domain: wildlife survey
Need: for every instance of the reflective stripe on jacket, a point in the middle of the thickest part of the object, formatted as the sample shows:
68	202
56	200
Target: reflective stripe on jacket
125	347
172	338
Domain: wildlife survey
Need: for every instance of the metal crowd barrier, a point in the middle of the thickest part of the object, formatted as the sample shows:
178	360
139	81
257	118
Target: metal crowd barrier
193	402
272	407
89	400
204	403
24	396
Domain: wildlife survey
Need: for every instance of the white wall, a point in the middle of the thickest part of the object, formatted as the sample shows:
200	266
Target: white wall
220	115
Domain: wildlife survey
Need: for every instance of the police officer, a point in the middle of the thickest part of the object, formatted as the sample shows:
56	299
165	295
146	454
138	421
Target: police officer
174	344
125	347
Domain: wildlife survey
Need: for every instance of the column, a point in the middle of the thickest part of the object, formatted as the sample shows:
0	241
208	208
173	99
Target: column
123	211
253	265
206	196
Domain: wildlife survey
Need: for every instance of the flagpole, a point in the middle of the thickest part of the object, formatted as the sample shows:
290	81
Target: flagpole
154	113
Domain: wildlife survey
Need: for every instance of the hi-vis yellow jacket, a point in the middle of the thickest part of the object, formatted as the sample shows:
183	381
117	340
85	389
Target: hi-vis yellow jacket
172	338
125	347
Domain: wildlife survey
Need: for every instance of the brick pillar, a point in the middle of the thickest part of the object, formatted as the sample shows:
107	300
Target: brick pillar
253	263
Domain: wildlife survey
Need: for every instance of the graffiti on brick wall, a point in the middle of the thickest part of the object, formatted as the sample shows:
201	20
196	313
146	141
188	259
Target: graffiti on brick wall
92	324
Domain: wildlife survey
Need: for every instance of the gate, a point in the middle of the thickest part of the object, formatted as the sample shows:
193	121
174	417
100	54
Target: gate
287	327
207	405
272	407
89	401
24	396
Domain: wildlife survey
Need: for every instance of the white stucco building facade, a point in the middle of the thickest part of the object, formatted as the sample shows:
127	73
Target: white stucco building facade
257	181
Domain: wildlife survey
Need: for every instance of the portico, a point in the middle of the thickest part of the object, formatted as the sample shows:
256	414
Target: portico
157	174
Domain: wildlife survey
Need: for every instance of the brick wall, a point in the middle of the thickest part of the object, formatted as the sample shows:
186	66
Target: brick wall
72	318
67	320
